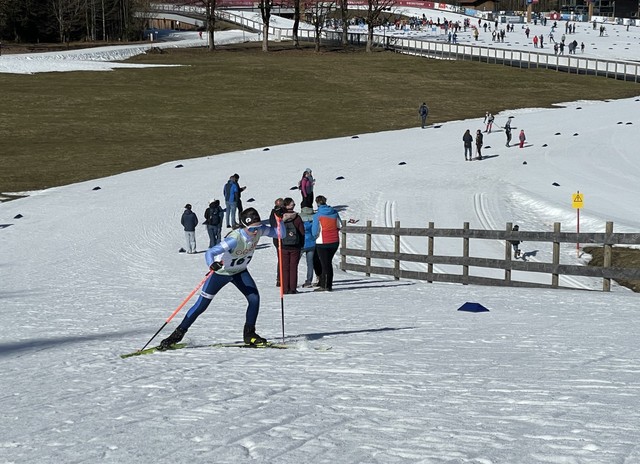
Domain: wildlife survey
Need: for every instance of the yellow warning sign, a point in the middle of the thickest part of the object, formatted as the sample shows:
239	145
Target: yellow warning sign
578	200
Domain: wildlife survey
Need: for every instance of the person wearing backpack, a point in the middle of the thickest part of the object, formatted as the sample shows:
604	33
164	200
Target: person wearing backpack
214	215
292	243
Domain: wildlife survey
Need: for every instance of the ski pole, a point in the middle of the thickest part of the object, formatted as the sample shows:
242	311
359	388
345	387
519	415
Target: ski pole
278	222
184	302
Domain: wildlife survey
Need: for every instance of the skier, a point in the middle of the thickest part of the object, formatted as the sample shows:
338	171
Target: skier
467	138
423	111
507	131
522	138
490	120
229	260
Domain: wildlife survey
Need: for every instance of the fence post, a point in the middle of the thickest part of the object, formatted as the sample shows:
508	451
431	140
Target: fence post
343	250
556	256
465	253
507	254
608	250
368	249
430	254
396	250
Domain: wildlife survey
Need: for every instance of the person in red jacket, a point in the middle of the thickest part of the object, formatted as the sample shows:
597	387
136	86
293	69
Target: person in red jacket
522	138
326	229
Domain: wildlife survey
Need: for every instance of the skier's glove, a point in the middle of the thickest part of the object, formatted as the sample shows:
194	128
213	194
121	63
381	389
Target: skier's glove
216	266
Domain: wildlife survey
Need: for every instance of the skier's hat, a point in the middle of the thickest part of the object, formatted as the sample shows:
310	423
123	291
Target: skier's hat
250	218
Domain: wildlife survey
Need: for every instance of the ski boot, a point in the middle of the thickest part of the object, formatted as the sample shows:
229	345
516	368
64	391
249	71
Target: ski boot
250	336
172	339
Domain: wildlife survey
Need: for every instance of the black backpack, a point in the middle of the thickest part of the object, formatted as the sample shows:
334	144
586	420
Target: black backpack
292	235
212	216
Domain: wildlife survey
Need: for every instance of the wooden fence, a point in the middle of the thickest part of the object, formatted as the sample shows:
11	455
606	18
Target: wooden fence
555	269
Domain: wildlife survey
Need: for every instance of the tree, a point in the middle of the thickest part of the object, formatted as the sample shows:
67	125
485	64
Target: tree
345	17
374	11
265	10
66	14
296	22
318	11
210	15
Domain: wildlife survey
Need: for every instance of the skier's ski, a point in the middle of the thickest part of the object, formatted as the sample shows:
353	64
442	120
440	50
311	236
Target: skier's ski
178	346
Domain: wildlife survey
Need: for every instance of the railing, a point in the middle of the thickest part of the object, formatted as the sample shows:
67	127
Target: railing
555	269
573	64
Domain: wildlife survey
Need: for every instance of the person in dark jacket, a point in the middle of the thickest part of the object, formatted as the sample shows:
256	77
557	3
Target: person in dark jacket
507	131
515	243
423	111
467	138
277	211
189	221
292	243
214	216
240	190
326	230
479	143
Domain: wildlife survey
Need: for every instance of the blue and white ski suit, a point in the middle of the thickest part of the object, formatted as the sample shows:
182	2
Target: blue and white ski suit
235	252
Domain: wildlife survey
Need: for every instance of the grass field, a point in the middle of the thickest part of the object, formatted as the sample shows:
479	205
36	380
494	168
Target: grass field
60	128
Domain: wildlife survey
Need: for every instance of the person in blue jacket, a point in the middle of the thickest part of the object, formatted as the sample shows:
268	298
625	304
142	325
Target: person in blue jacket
230	192
229	260
309	248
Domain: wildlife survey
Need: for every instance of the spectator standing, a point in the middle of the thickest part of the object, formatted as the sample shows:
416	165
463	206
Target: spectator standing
189	221
326	230
522	138
306	189
292	243
240	190
467	138
479	143
309	248
515	243
231	201
277	211
507	131
423	111
214	215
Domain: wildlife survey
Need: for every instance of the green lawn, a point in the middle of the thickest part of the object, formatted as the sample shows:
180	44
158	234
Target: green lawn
59	128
